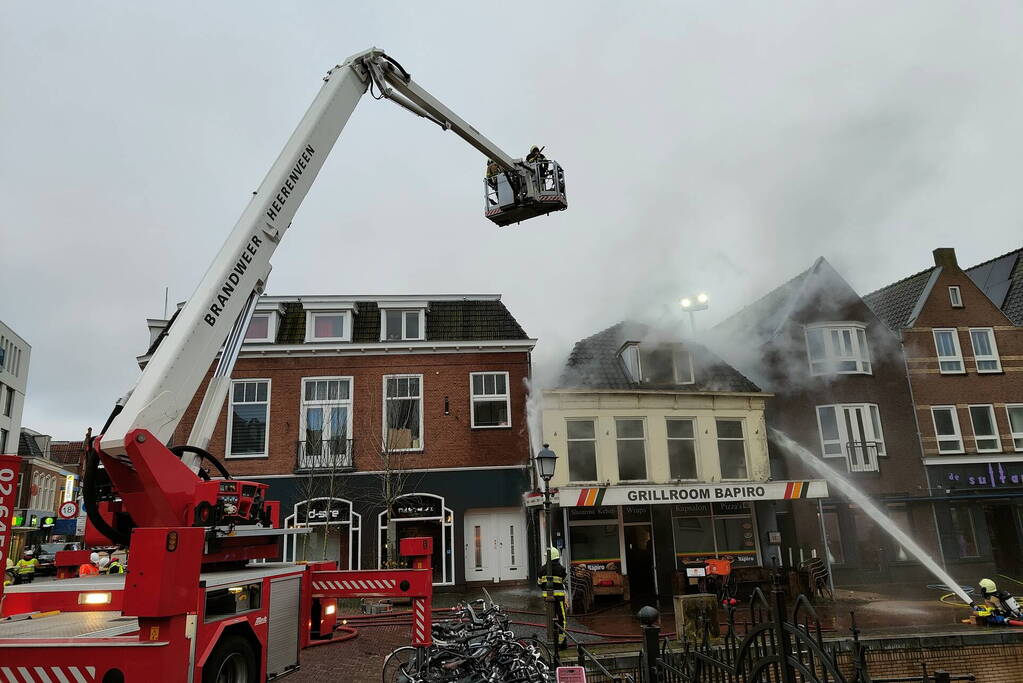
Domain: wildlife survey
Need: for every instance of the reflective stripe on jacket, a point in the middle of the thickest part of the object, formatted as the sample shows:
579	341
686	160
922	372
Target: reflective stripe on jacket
27	566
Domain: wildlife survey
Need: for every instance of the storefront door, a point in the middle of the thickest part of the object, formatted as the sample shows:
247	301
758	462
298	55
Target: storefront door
495	545
639	558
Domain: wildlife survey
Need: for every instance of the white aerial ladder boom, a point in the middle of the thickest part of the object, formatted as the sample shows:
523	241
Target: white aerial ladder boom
223	302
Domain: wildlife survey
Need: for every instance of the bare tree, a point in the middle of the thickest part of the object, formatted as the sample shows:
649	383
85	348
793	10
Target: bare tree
324	455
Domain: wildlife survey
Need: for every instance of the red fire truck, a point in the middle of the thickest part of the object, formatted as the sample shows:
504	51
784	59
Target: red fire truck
204	598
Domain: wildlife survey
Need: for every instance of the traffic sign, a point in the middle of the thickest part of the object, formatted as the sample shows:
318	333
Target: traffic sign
68	509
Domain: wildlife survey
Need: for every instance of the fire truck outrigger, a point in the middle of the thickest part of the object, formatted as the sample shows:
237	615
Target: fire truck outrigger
203	598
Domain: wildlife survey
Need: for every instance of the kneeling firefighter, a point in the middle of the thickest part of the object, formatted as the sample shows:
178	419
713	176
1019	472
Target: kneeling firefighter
1001	603
552	585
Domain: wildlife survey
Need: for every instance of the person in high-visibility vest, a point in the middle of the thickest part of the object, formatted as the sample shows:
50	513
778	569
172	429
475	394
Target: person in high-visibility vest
26	567
115	566
552	583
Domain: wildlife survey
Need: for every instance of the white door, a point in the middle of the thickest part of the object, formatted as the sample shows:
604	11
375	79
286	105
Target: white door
495	545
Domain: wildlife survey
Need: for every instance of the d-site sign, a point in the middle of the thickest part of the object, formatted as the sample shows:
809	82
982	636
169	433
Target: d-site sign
572	496
9	466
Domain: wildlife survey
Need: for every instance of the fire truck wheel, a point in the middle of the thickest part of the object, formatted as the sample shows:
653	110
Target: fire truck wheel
232	661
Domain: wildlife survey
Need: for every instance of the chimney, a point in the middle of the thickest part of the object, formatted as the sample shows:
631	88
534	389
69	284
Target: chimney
946	256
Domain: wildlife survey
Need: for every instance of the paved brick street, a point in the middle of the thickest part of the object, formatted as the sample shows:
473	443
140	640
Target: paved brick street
359	659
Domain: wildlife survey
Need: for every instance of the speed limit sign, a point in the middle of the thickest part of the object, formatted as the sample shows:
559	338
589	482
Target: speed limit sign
68	510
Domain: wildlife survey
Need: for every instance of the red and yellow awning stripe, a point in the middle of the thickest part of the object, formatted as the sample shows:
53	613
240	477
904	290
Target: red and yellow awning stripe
590	496
797	489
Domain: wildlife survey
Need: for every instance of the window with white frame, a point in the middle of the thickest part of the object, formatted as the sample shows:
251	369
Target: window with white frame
262	327
955	297
326	421
403	412
985	429
985	350
582	450
491	401
1015	415
630	434
682	448
8	399
249	418
664	364
950	356
838	348
946	429
402	325
328	326
630	357
853	432
731	439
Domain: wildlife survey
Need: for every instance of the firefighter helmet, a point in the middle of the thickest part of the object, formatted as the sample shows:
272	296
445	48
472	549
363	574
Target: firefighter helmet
987	586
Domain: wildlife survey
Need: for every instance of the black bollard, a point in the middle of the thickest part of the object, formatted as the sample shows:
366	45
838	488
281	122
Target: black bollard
649	617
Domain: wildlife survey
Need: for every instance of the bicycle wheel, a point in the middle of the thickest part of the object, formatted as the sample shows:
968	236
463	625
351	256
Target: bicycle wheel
539	648
397	662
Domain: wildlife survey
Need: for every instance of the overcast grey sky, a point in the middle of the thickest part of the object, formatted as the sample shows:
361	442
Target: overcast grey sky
716	146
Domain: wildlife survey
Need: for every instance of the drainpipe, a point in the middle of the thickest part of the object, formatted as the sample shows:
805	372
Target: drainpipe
920	443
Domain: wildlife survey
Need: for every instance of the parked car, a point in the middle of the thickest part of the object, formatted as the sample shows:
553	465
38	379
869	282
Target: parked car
46	553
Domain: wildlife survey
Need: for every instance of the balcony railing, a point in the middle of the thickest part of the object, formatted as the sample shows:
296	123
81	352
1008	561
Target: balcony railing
328	455
861	456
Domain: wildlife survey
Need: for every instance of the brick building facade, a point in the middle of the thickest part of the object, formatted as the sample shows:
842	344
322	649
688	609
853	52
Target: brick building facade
841	391
385	416
965	359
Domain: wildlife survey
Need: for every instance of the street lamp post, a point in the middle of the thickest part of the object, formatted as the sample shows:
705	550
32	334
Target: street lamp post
691	304
546	461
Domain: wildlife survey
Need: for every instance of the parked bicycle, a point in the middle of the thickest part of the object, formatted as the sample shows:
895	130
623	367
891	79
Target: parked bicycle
474	645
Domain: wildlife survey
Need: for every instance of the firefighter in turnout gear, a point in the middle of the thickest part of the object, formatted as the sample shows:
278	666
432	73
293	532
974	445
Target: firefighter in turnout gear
26	567
1001	602
552	584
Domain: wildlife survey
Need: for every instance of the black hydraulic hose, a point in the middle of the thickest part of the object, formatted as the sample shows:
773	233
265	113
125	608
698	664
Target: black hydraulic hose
405	74
90	487
204	455
90	494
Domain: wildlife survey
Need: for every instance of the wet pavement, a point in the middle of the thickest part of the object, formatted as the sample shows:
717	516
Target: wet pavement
613	625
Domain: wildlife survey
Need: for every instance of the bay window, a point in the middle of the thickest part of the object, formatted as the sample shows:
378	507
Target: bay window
838	348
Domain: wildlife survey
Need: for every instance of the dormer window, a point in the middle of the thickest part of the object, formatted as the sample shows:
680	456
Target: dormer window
658	365
328	322
263	324
630	356
402	321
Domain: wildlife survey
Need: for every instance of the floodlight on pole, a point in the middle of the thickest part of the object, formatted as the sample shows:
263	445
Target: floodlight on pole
691	304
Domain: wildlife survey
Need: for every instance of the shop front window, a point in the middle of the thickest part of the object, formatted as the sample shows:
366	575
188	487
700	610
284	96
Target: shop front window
596	546
714	530
962	531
